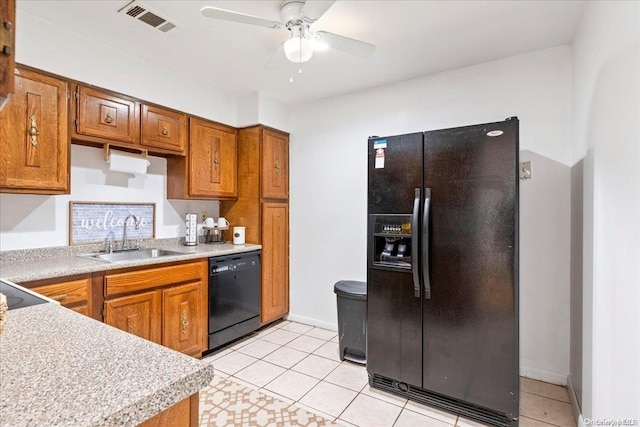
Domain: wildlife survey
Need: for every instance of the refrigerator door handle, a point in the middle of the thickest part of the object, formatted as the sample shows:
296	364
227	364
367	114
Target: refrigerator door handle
415	254
425	244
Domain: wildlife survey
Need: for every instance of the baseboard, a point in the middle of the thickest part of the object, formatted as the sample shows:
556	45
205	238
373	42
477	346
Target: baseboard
540	375
575	406
312	322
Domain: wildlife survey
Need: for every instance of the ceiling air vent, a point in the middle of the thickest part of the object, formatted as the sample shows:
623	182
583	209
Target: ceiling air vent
142	13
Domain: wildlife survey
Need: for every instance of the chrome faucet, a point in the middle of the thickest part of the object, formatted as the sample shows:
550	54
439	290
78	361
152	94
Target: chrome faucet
136	223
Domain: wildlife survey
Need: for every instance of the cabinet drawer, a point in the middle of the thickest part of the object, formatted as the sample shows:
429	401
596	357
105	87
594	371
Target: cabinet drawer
66	293
133	281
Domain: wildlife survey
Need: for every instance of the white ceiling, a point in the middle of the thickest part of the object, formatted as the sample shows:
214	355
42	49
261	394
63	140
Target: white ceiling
413	38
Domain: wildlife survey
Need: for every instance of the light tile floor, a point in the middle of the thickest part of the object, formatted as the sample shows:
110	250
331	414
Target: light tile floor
299	364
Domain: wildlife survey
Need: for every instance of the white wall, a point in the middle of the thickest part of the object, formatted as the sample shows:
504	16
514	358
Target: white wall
329	180
606	100
257	108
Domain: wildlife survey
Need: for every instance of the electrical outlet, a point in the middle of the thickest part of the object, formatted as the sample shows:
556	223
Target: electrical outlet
203	216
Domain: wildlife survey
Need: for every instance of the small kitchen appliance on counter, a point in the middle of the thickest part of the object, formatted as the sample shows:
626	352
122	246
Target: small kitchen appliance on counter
191	223
214	234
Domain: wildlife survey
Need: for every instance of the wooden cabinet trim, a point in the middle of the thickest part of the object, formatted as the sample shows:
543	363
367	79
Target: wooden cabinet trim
149	278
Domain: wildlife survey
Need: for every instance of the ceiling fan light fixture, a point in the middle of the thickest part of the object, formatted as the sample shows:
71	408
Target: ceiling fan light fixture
298	49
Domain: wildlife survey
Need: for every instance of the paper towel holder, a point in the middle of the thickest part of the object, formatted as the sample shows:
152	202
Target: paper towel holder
107	149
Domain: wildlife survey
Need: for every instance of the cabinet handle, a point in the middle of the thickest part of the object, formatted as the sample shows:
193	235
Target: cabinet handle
108	119
132	326
277	167
164	131
58	297
33	131
216	162
184	322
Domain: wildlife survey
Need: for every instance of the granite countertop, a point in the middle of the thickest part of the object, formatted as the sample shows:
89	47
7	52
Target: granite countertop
60	368
36	264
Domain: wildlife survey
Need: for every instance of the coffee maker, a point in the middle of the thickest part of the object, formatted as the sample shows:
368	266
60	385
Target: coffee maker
214	234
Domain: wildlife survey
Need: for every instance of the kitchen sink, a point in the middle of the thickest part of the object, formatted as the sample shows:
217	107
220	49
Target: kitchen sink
133	255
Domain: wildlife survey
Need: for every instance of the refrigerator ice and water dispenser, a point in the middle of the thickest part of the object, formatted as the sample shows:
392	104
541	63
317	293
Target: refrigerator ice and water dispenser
392	241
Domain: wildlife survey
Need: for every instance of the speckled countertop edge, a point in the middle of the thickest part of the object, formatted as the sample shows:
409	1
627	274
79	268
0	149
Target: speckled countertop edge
37	264
61	368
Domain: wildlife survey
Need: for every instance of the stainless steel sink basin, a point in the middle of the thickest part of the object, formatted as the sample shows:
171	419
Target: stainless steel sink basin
132	255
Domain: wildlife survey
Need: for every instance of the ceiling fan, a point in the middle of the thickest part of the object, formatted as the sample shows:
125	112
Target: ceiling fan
297	16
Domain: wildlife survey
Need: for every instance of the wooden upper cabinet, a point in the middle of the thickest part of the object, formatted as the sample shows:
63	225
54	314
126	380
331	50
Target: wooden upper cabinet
213	160
163	128
210	170
182	317
137	314
34	144
275	165
7	48
102	115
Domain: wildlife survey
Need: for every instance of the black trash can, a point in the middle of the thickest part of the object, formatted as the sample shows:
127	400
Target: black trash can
352	320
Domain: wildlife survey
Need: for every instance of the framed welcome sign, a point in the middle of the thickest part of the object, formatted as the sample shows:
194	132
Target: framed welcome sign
96	222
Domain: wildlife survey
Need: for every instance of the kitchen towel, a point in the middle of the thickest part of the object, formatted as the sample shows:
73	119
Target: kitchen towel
128	163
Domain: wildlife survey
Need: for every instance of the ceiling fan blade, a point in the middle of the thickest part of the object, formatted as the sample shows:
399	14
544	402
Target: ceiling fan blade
277	59
346	45
314	9
227	15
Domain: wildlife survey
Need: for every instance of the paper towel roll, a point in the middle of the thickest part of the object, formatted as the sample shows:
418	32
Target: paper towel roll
128	163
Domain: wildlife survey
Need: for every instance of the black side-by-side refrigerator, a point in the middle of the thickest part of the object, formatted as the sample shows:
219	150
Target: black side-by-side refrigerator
442	269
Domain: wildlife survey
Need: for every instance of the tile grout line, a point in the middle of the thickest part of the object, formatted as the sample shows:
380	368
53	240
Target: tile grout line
546	397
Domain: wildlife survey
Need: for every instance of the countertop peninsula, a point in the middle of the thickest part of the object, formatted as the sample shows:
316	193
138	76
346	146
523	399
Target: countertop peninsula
60	368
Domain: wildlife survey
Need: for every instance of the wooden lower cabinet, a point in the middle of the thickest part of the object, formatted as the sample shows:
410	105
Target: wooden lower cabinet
137	314
182	414
73	294
275	261
182	309
166	305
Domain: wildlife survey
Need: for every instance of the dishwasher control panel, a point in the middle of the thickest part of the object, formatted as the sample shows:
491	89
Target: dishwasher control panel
241	263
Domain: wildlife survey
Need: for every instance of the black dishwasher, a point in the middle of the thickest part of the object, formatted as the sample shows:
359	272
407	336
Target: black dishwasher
234	297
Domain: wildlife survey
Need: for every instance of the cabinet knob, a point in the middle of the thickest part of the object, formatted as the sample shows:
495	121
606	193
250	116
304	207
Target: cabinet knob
164	131
276	165
216	162
33	131
108	119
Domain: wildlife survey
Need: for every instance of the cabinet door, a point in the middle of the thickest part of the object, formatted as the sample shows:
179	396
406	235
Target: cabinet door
137	314
162	128
275	165
103	115
275	261
212	160
182	312
34	147
7	48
